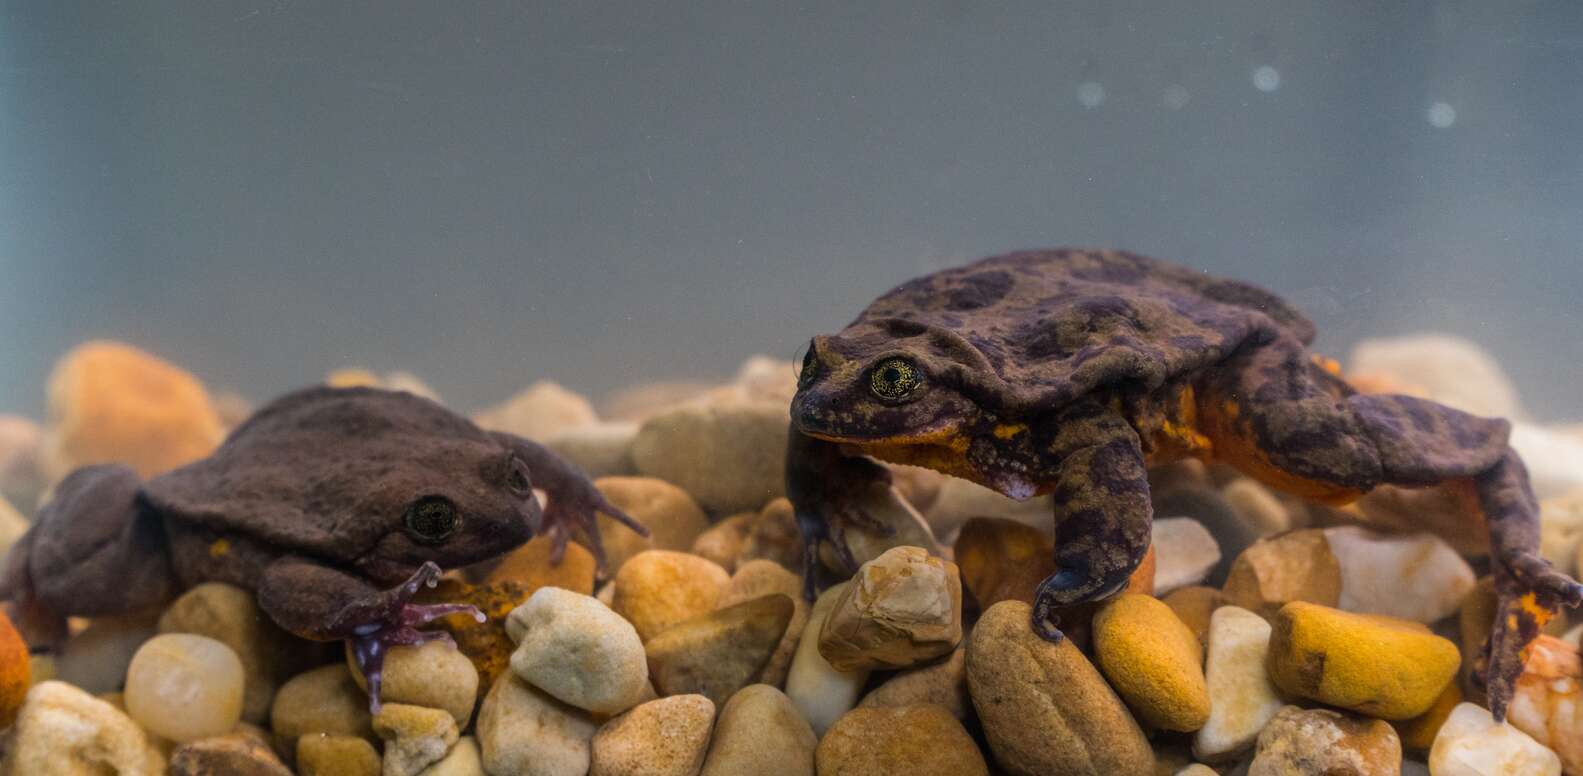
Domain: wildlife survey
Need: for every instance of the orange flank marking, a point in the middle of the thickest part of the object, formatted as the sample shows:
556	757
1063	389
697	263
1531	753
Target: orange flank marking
1530	606
1328	364
1232	442
220	548
1009	430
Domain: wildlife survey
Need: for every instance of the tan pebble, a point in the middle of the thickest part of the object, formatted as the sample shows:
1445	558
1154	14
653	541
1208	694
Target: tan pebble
1242	699
943	683
1257	506
1194	605
774	536
63	730
722	542
415	737
718	653
760	731
902	609
599	450
539	412
523	730
320	754
184	687
113	403
920	740
1380	666
242	753
665	737
324	700
820	691
756	578
434	674
1044	707
1296	566
530	567
1153	661
673	518
578	650
730	456
462	760
1322	742
656	589
1197	769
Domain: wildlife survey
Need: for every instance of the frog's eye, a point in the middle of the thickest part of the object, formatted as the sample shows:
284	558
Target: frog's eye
517	477
432	519
894	378
809	370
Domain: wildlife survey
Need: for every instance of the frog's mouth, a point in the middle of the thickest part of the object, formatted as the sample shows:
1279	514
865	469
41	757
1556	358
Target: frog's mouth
385	571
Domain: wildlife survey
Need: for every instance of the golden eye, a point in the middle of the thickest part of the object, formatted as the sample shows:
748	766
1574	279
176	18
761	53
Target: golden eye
431	519
894	378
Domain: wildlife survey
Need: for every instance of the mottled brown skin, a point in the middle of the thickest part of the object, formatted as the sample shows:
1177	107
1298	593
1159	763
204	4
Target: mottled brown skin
1069	372
334	505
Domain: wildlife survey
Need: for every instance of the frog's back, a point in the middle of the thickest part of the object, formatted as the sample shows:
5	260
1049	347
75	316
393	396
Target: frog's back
1054	325
302	472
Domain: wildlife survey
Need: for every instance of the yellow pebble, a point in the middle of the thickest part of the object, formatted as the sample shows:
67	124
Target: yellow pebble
1380	666
1154	662
1418	733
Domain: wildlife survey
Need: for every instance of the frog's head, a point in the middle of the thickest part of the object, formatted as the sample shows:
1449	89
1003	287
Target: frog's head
467	501
893	390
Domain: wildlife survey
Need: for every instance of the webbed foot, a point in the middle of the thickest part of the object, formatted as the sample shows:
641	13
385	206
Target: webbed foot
372	640
575	510
1528	594
826	488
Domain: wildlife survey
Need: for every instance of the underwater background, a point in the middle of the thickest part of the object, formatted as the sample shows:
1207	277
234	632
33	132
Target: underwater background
605	193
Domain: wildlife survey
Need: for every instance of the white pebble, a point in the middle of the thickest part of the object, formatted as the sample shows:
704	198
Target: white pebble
1415	577
1471	744
1184	552
819	691
183	687
1241	697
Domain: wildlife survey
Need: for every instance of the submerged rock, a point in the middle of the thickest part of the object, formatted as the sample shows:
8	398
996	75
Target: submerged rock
664	737
113	403
522	730
659	588
415	737
574	648
730	456
1321	742
1450	370
539	412
760	732
64	731
922	740
1242	699
184	687
1380	666
673	518
901	609
1416	577
719	653
1044	707
434	675
1472	744
821	692
1153	661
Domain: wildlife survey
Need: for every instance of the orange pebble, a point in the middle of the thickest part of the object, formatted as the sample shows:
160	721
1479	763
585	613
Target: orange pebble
15	671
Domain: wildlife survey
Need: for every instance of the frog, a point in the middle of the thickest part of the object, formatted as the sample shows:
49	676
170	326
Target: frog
334	506
1071	372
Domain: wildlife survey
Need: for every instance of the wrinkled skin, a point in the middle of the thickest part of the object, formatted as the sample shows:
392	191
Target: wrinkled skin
335	505
1070	372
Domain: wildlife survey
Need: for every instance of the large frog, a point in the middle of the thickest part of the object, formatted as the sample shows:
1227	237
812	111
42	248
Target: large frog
335	505
1069	372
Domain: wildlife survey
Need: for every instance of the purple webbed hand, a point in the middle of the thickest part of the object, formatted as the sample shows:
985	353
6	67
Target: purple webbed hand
372	640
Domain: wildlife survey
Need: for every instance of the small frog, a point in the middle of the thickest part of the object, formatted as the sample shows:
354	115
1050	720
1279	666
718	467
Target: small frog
335	505
1069	372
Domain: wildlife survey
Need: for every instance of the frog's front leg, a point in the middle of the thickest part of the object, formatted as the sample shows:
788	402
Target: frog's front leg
824	486
1102	512
321	603
574	502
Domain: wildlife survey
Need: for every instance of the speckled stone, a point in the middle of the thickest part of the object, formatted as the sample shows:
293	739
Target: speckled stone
923	740
63	731
319	754
664	737
760	731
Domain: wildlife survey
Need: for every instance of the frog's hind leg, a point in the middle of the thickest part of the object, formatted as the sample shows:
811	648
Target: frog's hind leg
93	551
1272	413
